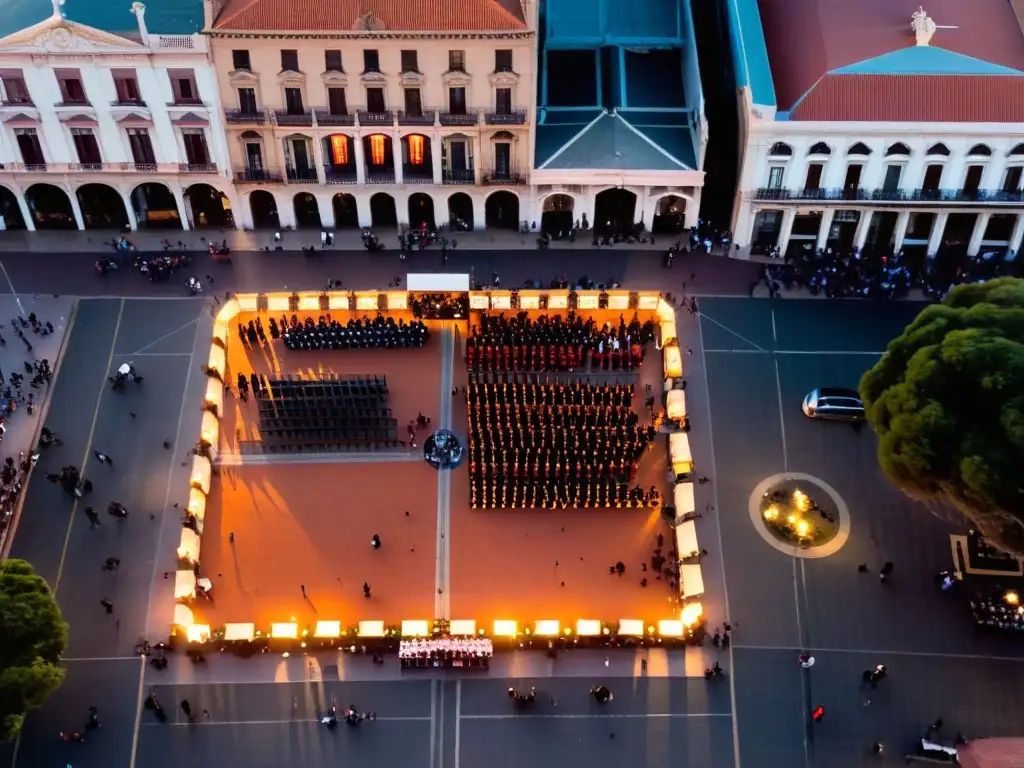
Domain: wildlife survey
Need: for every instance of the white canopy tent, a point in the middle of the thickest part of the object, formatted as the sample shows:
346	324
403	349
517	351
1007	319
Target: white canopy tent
686	539
442	282
682	497
692	581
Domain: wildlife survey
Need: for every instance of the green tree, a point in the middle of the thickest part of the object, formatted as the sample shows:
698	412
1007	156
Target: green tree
33	636
947	403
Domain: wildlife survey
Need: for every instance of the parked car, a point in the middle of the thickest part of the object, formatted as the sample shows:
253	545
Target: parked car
834	403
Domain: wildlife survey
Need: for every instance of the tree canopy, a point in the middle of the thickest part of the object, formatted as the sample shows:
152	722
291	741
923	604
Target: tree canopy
33	636
947	402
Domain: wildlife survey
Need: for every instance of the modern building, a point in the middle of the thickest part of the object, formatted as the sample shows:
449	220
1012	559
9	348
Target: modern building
106	125
377	113
621	131
880	125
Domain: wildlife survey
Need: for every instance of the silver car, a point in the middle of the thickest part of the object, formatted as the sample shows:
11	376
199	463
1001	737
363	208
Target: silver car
833	403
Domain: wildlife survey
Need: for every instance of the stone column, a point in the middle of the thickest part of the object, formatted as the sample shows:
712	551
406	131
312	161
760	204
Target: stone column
860	237
26	214
900	233
76	209
788	217
938	229
826	227
1018	235
435	158
179	199
318	158
978	234
396	153
360	160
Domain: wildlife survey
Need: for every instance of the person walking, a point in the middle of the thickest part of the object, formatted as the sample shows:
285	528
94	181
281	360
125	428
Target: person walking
102	458
94	518
186	708
107	604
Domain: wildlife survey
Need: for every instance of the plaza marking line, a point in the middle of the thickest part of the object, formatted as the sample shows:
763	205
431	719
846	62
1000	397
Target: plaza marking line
10	285
88	448
721	550
442	566
458	719
756	347
623	716
214	723
85	659
138	710
152	344
875	652
433	721
792	352
170	478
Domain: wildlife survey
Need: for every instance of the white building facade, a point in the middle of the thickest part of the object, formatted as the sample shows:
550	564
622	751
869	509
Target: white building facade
102	131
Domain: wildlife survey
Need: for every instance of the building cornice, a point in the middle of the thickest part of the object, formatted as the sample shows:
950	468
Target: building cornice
782	128
375	36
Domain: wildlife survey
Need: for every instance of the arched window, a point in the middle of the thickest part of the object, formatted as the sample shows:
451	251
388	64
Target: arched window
780	150
938	149
859	149
980	149
821	148
899	148
1018	150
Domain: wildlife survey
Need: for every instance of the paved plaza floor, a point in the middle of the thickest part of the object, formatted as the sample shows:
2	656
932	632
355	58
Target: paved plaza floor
752	362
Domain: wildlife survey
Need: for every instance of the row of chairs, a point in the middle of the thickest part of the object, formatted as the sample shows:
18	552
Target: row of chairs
362	445
347	421
314	410
329	437
329	386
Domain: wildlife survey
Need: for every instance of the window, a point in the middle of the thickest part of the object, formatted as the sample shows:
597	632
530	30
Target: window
852	180
859	149
141	146
371	60
240	60
503	101
289	61
183	85
980	150
972	181
899	148
938	149
127	86
775	175
377	147
336	101
932	178
254	155
892	178
413	102
15	90
375	100
339	150
781	150
456	61
195	146
409	63
1011	182
813	180
293	101
457	101
247	101
821	148
503	60
332	61
30	148
415	149
502	160
86	148
71	90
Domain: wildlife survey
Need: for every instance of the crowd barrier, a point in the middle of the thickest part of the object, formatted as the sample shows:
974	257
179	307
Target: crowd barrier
505	634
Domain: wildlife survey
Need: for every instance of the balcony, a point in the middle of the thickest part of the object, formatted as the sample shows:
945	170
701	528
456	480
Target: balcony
244	117
17	101
325	117
149	167
423	117
302	175
137	103
197	167
504	178
422	173
90	167
32	167
375	175
75	103
181	101
284	117
257	176
341	174
518	117
459	118
458	176
376	118
862	195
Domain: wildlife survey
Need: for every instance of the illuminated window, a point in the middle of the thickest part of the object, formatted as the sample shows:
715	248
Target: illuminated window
339	150
415	150
377	149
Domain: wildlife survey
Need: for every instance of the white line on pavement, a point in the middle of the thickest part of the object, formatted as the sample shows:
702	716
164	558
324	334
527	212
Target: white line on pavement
791	352
757	347
209	723
86	659
623	716
875	652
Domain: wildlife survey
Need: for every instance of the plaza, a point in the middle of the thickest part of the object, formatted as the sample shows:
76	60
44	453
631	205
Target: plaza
752	362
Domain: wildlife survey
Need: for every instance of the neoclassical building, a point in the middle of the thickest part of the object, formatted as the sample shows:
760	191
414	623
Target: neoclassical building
110	128
896	136
364	113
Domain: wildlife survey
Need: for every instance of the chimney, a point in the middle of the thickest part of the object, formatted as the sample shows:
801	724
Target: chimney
139	9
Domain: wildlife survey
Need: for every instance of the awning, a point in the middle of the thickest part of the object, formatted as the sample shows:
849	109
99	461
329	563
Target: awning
441	282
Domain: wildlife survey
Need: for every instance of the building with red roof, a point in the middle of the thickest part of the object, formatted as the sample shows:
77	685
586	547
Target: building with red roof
883	125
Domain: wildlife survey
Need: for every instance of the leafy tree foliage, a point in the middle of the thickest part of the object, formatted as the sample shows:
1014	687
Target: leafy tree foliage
947	402
32	637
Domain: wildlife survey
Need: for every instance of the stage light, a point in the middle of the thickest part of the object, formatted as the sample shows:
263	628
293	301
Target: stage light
772	513
505	628
670	628
547	628
415	628
371	629
692	613
238	631
327	629
1012	598
462	627
631	627
284	631
803	527
588	627
800	500
197	633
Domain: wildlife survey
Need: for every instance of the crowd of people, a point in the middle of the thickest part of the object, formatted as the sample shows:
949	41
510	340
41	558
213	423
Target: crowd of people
875	274
327	333
994	612
439	306
555	445
556	343
446	652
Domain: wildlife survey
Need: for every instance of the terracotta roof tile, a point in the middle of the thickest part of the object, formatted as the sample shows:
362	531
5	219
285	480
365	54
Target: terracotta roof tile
392	15
808	38
914	99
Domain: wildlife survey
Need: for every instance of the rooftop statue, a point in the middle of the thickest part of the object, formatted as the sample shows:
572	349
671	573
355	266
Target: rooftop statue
923	26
